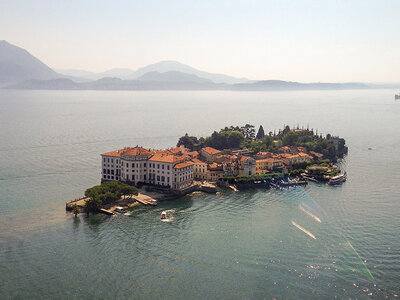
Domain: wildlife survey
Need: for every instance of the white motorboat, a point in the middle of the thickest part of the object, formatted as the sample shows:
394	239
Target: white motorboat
120	210
338	179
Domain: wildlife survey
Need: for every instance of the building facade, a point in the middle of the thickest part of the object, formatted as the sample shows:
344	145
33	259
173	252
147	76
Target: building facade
169	168
199	169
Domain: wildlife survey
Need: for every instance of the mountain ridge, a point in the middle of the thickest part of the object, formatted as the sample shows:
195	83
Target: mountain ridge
21	70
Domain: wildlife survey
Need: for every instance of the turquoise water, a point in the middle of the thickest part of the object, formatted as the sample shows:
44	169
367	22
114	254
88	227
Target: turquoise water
236	245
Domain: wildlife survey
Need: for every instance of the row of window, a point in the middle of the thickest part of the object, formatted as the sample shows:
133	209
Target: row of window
153	165
111	171
107	159
110	177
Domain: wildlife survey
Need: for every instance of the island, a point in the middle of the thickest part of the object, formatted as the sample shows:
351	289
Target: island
234	157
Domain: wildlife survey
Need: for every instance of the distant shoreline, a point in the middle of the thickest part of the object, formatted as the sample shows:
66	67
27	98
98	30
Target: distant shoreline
116	84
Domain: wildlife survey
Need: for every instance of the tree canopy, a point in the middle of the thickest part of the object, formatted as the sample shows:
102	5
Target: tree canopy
234	137
260	133
106	193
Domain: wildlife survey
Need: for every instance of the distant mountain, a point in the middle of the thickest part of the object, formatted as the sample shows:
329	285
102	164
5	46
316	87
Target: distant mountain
167	66
79	73
20	70
160	67
17	65
149	81
172	76
264	85
122	73
181	81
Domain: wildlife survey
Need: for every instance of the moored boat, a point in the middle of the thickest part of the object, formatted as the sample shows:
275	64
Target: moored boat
163	215
120	210
338	179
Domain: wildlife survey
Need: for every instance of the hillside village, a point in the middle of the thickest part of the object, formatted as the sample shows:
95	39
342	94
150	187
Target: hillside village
179	168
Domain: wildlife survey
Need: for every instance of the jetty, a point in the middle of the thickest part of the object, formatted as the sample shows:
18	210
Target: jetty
207	187
145	199
80	202
106	211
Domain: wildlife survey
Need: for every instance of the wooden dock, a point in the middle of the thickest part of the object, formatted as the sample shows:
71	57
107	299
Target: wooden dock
208	187
106	212
145	200
311	179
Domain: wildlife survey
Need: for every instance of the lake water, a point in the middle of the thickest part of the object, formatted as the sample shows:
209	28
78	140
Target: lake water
236	245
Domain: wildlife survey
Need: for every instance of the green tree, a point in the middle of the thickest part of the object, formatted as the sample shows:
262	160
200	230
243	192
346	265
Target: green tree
248	131
92	205
290	138
128	190
267	140
260	133
188	141
75	209
286	130
234	139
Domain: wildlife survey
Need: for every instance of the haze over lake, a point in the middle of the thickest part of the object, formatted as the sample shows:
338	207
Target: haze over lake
237	245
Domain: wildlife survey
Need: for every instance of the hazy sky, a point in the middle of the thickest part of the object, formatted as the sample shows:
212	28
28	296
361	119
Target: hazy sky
290	40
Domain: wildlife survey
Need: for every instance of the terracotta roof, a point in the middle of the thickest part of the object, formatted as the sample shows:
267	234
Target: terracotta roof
214	166
183	165
116	153
197	161
265	160
193	153
244	158
165	157
137	151
316	154
304	155
264	153
211	151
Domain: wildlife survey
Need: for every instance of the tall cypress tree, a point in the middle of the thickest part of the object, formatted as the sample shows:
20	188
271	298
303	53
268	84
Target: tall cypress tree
260	133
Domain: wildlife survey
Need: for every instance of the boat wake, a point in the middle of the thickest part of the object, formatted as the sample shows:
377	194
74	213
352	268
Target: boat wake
304	230
309	213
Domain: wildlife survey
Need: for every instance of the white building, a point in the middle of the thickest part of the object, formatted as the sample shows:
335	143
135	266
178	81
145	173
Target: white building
111	166
247	166
135	165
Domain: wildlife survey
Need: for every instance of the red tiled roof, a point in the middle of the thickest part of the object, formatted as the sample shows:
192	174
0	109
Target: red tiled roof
197	161
316	154
265	160
137	151
304	155
183	165
211	151
193	153
116	153
243	158
214	166
165	157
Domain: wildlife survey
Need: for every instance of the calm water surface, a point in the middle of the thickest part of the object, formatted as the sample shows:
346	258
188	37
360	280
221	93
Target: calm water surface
237	245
